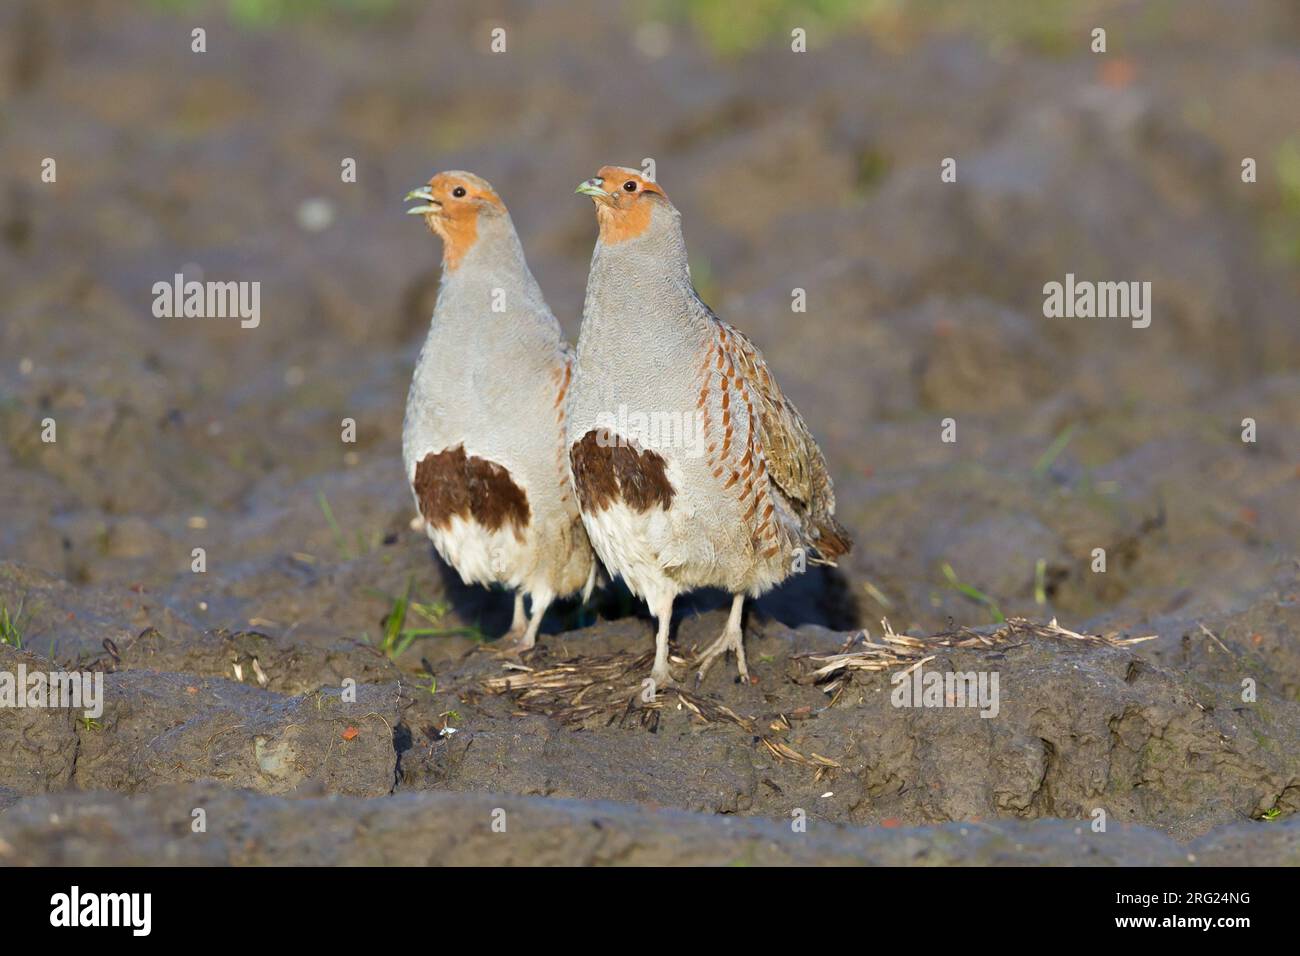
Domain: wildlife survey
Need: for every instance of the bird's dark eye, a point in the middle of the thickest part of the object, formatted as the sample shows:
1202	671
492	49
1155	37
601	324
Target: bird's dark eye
630	185
458	192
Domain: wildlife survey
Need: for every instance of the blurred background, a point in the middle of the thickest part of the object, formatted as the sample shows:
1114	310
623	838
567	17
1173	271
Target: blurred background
816	170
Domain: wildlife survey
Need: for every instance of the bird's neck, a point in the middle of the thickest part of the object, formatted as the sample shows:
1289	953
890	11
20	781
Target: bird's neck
492	292
495	248
640	296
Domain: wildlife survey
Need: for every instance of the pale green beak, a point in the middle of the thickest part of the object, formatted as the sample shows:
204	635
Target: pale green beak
592	187
425	193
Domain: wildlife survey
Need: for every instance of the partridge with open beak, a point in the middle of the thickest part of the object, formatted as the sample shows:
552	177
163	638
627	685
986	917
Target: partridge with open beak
483	439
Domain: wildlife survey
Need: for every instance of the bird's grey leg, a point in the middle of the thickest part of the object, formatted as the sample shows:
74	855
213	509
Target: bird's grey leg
664	615
519	623
523	632
541	601
732	639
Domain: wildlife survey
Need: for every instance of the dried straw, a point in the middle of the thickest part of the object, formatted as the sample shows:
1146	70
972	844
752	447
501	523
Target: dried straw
902	650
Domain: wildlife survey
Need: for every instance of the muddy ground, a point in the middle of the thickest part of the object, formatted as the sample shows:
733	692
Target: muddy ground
227	690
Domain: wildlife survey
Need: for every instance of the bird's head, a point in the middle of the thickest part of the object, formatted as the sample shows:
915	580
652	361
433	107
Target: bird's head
451	204
625	202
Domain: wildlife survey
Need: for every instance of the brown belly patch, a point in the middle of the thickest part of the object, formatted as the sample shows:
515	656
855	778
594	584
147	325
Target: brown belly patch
608	469
450	484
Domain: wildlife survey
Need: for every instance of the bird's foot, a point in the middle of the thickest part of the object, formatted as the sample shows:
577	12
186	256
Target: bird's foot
663	679
514	643
731	640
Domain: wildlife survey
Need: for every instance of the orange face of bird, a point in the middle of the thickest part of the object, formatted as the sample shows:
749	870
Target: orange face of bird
624	202
452	204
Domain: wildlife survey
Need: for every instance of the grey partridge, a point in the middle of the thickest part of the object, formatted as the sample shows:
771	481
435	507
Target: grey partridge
483	438
691	468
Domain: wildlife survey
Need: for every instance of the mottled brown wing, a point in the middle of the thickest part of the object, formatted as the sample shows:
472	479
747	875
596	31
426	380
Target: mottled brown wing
794	462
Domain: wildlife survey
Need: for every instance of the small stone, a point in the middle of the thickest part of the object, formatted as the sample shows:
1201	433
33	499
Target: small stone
315	214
